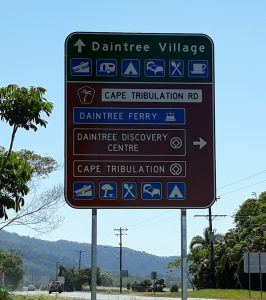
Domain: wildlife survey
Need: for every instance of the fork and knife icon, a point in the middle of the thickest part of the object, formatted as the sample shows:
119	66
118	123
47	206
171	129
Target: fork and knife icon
129	193
177	67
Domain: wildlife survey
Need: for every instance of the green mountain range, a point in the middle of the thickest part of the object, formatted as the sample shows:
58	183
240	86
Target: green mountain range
41	258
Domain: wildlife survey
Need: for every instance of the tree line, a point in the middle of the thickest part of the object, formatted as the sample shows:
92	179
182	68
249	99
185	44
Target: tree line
248	235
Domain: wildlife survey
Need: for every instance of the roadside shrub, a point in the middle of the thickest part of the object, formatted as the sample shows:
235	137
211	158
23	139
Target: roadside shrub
174	288
4	294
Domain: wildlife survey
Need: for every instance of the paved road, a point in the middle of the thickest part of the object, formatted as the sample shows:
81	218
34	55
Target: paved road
87	295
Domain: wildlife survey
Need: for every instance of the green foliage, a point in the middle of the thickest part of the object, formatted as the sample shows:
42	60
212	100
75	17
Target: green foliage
174	264
42	165
4	294
20	107
248	235
14	176
147	284
174	288
76	279
159	285
12	265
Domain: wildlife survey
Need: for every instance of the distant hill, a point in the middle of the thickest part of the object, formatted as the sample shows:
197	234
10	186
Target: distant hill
40	258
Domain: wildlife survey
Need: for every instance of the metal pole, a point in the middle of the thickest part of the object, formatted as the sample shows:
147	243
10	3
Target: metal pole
212	266
94	254
184	253
249	279
260	276
120	259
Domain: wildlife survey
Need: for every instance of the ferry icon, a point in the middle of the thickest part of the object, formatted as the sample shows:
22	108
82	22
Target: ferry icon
170	117
80	67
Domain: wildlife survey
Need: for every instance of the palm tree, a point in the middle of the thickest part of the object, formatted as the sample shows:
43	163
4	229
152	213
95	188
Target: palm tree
199	241
200	258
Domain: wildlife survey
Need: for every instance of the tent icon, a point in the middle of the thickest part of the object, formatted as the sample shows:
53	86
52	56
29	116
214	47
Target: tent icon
130	67
176	190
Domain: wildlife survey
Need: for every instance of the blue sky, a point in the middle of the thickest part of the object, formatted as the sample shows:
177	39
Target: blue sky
32	54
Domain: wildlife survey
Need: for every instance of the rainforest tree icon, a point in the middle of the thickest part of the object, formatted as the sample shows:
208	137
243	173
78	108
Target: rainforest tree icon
86	94
108	190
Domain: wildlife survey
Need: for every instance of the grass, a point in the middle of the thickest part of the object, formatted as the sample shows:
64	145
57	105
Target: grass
219	294
31	298
206	293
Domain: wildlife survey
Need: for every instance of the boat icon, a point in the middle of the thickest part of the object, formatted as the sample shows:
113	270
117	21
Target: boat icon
82	67
84	191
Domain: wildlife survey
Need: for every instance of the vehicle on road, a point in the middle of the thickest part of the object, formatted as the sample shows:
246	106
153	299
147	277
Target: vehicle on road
31	287
55	287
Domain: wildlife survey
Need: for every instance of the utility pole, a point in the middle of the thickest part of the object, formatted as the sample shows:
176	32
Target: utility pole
120	234
56	270
80	251
212	262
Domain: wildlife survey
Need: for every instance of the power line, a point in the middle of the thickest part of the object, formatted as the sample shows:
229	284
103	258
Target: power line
152	220
242	188
242	179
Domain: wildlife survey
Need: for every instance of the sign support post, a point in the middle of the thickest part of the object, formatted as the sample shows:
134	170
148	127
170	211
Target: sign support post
184	253
94	254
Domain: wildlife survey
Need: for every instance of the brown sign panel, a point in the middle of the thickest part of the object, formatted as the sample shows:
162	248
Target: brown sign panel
125	142
139	131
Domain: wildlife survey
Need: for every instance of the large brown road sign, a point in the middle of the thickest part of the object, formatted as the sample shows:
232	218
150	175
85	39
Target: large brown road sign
139	120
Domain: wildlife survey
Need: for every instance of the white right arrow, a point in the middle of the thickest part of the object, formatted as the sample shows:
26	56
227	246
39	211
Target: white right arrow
201	143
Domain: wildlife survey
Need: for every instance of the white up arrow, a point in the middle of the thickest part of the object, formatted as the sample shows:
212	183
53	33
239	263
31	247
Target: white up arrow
79	43
201	143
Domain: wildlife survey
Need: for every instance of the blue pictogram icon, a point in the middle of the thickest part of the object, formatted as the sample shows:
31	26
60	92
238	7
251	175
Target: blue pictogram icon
151	190
106	67
108	190
198	68
176	190
83	190
176	68
129	190
80	67
130	68
154	68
